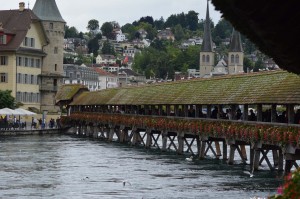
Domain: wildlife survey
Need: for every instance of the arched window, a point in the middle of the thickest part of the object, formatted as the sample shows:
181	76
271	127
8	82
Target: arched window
203	58
207	58
232	59
237	59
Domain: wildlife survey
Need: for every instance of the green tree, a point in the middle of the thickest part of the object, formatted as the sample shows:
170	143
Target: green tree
107	29
71	32
93	44
93	24
259	64
178	32
192	20
147	19
159	24
223	29
248	64
108	49
6	100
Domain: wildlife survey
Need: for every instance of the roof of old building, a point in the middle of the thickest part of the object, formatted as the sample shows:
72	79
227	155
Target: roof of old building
102	72
235	42
207	45
17	23
256	88
67	91
272	25
47	10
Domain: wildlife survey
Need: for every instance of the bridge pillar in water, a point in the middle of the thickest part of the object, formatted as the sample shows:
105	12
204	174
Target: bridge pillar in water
231	153
164	134
198	140
148	138
203	147
111	133
225	151
180	136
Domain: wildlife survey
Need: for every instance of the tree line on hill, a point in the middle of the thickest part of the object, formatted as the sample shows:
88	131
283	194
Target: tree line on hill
164	57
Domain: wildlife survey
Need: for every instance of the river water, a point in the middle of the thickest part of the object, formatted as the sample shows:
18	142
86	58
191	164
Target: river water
64	167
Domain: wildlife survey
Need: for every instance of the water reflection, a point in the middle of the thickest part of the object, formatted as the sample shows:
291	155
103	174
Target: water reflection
70	167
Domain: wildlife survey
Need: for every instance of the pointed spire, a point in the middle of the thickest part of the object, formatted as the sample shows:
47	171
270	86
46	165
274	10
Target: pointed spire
47	10
207	41
235	42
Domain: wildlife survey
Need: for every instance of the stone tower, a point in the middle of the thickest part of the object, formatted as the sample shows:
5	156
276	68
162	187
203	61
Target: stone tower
235	54
52	67
207	54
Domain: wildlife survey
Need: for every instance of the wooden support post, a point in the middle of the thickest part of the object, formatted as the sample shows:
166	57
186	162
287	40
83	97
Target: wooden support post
160	110
225	151
146	108
95	132
220	111
273	113
198	146
251	158
259	112
231	153
275	157
290	113
176	112
208	111
244	153
168	110
288	166
111	134
197	110
256	159
245	112
203	147
164	140
218	149
148	139
180	136
280	160
134	137
185	110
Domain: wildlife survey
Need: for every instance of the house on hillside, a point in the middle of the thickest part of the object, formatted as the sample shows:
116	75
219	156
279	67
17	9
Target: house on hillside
166	35
106	79
106	60
75	74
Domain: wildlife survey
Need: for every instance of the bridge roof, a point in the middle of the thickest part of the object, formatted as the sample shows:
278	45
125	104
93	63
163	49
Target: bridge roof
278	87
68	91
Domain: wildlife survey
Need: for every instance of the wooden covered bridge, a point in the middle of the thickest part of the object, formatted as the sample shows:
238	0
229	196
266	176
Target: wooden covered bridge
211	114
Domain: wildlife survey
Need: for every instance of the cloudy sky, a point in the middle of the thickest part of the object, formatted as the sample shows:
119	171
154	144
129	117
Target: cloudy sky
78	13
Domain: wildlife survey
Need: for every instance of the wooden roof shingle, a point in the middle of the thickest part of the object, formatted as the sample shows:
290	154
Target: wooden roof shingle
278	87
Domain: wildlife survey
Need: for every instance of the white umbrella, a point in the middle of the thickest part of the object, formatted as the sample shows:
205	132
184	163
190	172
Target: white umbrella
8	111
24	112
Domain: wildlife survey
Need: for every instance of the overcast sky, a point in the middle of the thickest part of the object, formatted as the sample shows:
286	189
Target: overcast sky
78	13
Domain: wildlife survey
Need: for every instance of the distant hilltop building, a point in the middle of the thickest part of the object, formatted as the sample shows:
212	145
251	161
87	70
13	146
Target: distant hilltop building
31	54
207	55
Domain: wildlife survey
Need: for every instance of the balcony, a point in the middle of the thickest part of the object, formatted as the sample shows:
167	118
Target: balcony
48	88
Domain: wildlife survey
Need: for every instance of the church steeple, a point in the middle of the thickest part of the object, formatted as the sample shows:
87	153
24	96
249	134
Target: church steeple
207	42
47	10
207	55
235	54
236	42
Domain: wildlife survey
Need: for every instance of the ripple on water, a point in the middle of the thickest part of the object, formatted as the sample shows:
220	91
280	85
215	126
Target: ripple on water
71	167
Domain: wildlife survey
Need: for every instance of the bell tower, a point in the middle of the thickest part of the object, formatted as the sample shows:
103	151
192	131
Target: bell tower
207	55
235	54
52	68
